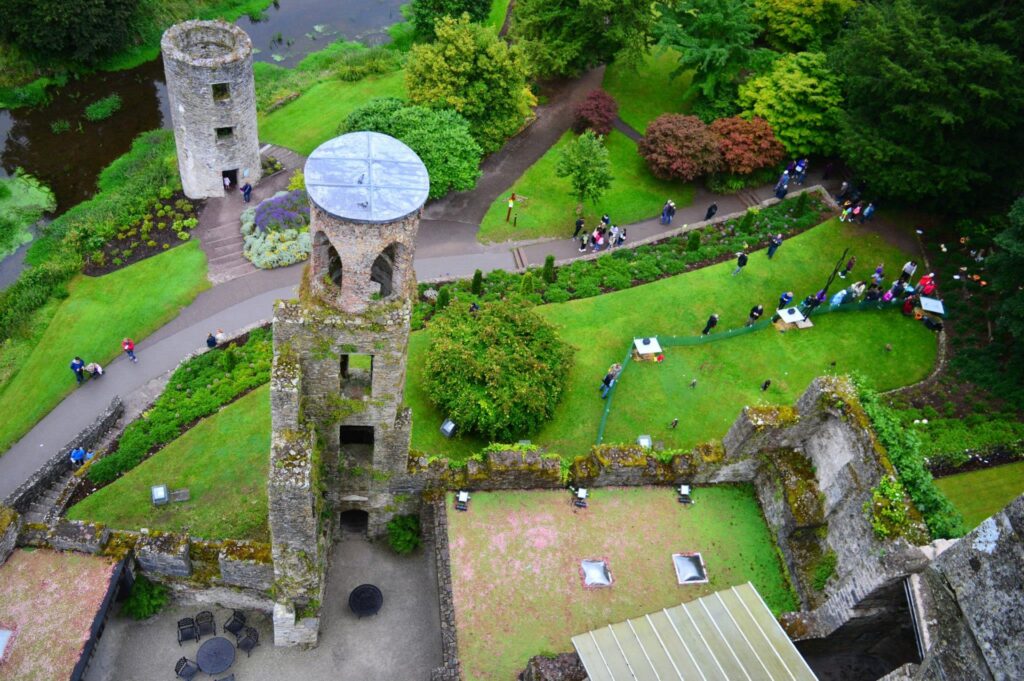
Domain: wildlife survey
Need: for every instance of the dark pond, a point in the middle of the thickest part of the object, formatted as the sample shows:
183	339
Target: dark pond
70	162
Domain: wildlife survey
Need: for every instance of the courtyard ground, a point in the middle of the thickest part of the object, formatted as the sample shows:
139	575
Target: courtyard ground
223	462
982	493
50	599
515	565
402	642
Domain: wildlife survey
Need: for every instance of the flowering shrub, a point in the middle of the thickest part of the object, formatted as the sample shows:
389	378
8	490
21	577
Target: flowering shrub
276	231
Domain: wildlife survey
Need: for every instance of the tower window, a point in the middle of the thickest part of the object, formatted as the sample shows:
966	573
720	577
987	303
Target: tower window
221	92
383	270
356	374
224	134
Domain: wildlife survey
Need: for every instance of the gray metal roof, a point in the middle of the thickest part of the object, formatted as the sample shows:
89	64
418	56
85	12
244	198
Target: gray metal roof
366	177
727	636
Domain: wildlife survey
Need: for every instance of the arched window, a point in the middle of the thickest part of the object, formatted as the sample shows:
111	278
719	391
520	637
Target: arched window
383	270
325	254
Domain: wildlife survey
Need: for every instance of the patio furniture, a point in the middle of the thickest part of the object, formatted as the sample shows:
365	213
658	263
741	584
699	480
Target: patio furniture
186	669
365	600
187	630
228	678
236	623
216	655
205	623
249	639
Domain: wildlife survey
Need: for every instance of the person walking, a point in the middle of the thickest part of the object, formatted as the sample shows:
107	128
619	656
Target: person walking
128	345
801	170
605	220
767	384
671	210
246	192
227	183
784	300
583	243
712	323
908	271
869	211
773	245
781	190
579	227
712	209
741	262
622	237
755	314
850	264
846	215
613	237
844	189
664	212
78	366
879	274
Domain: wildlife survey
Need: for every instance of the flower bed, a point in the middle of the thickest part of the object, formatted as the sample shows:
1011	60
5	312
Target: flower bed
276	231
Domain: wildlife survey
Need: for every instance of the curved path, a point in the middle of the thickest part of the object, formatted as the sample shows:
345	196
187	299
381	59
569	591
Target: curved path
446	248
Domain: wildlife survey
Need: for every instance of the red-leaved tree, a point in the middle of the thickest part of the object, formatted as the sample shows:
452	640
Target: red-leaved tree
597	112
678	147
747	146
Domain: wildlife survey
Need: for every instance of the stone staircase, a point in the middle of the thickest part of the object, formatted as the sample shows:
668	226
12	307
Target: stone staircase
41	510
219	224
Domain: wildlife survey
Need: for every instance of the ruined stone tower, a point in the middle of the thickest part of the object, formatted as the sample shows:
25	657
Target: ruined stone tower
340	433
208	65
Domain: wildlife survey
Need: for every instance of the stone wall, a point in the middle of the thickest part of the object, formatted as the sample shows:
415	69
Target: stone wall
75	535
10	526
59	465
208	68
436	519
561	667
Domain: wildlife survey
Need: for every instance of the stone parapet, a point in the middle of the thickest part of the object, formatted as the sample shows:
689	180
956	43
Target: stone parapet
290	630
246	565
75	535
164	554
437	520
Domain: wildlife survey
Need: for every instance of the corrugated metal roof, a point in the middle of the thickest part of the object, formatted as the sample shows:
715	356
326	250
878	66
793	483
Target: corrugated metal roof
728	636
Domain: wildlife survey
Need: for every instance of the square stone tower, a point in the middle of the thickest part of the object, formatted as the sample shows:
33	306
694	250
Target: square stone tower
340	433
208	65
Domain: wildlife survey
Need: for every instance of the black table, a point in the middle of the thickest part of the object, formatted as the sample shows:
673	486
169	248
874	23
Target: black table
365	599
216	655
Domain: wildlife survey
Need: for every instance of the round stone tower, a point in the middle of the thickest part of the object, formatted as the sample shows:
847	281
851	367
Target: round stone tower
212	94
365	191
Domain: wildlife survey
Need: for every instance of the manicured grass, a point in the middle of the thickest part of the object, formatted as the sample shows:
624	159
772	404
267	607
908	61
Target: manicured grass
549	208
223	462
979	494
515	565
649	90
90	323
314	117
729	371
496	19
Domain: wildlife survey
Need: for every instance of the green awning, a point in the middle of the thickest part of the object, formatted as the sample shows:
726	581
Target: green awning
728	636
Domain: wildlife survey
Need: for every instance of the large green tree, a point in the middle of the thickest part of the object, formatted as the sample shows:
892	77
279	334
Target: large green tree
80	31
440	137
469	69
568	36
586	163
800	98
930	115
714	39
1007	266
801	24
424	13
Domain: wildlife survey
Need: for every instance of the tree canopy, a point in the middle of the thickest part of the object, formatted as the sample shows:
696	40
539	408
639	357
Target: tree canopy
440	137
1006	265
469	69
930	115
81	31
800	98
801	24
586	163
566	37
423	13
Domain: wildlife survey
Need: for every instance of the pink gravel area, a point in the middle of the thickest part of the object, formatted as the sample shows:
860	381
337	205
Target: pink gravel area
51	599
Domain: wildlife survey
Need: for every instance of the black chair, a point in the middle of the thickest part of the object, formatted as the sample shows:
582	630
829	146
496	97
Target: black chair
186	669
205	623
187	630
249	639
236	623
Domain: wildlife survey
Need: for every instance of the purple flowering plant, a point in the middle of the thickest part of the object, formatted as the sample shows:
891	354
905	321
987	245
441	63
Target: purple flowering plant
288	211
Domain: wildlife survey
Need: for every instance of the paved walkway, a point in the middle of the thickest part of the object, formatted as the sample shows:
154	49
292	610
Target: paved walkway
446	248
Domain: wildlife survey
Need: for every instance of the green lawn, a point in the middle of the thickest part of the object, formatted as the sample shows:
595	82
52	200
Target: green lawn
90	322
729	372
647	92
549	209
223	462
314	117
515	565
496	18
979	494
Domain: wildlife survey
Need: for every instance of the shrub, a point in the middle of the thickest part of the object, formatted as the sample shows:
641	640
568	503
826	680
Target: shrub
548	273
404	533
444	297
824	570
478	283
198	388
790	25
423	14
60	126
82	31
597	112
678	147
746	145
693	241
499	372
276	231
146	599
297	181
103	108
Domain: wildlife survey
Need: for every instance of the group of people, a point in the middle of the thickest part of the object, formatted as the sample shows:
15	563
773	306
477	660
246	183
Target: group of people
851	207
215	339
82	369
605	235
795	172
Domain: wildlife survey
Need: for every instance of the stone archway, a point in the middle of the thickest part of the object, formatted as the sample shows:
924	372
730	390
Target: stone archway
326	258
